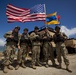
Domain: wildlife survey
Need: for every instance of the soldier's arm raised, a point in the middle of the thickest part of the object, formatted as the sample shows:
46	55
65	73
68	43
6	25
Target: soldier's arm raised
65	36
8	35
33	36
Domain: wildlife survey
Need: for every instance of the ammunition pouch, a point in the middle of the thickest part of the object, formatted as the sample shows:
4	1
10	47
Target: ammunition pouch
9	40
38	39
47	40
26	41
12	41
16	41
59	39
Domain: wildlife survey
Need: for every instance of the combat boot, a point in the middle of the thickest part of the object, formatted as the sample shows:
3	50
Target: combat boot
54	64
23	65
34	67
67	68
46	66
59	66
39	64
16	68
5	70
10	67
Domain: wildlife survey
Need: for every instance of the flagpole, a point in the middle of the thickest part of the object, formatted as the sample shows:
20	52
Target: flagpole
44	8
45	12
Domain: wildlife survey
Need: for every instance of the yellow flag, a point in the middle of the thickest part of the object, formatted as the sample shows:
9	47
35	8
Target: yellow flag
53	14
52	19
52	22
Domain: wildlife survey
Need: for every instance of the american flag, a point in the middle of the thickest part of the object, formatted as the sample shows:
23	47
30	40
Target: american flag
15	14
36	13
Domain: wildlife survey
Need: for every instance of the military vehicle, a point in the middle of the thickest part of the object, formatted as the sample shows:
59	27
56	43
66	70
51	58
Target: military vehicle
71	45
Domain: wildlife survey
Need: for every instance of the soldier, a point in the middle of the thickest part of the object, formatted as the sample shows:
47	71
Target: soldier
47	47
12	38
34	36
24	42
59	39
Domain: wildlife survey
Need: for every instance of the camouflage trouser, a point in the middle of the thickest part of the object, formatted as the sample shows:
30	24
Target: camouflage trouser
35	54
48	51
22	54
9	54
61	50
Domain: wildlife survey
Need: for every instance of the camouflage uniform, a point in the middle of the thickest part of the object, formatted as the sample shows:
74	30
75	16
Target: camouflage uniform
9	53
24	43
35	49
59	39
47	48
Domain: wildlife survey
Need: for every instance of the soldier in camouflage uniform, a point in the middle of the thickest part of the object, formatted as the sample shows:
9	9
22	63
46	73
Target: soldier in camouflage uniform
34	36
12	38
24	43
47	47
59	39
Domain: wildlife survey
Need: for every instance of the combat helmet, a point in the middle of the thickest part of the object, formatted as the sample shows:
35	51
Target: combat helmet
17	27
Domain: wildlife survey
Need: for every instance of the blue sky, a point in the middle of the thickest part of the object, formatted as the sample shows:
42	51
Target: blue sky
65	8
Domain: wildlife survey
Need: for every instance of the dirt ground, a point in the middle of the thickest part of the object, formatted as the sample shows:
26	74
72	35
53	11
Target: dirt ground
43	70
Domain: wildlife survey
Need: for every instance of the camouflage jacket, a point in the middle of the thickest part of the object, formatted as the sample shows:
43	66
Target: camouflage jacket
8	34
33	38
59	37
25	38
47	37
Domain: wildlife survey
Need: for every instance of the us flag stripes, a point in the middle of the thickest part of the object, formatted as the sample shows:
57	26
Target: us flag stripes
15	14
37	13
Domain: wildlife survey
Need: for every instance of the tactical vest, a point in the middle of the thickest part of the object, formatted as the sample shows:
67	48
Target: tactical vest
59	38
15	39
48	38
37	38
24	39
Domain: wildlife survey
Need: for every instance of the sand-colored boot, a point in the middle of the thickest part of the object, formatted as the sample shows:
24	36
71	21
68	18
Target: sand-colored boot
39	64
67	67
54	64
5	70
46	66
33	66
59	66
23	65
17	67
10	67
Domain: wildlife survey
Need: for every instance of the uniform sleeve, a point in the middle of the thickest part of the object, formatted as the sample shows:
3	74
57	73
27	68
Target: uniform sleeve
33	36
19	35
49	34
28	36
8	34
65	36
54	37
